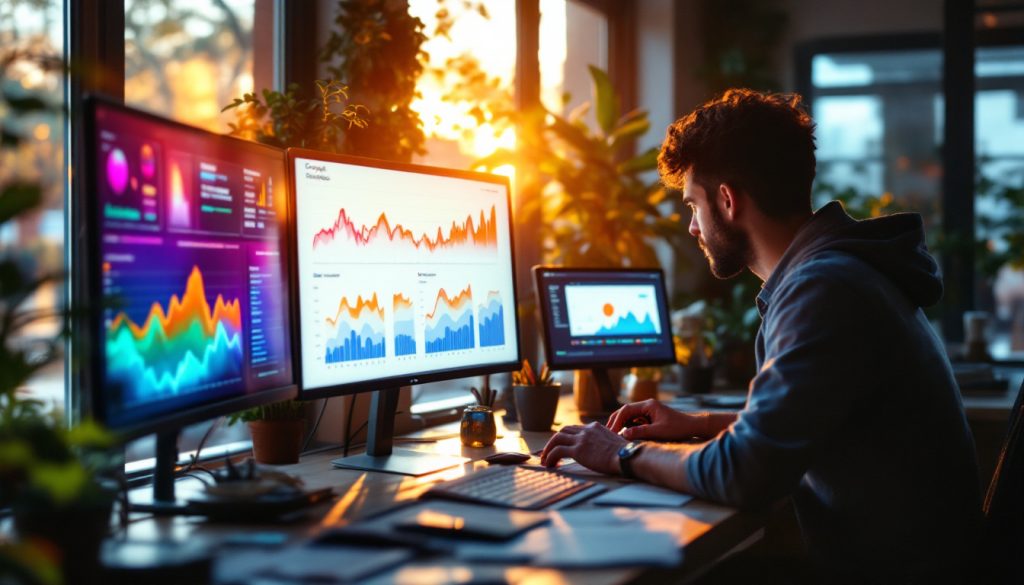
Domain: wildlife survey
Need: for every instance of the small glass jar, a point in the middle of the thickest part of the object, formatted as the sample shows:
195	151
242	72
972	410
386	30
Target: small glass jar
478	429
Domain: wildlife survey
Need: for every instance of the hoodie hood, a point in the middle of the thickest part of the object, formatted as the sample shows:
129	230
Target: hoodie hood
893	245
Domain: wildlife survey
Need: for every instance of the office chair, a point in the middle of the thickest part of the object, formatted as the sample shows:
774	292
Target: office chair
1004	504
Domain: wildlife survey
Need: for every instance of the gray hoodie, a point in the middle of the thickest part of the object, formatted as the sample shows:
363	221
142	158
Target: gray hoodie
854	410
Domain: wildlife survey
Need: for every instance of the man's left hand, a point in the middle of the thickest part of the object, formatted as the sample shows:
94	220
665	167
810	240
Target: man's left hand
594	446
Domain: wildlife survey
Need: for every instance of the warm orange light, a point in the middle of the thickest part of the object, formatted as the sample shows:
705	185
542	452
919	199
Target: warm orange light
470	32
609	310
337	513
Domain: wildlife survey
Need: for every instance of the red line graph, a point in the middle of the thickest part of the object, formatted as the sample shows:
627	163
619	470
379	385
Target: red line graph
481	233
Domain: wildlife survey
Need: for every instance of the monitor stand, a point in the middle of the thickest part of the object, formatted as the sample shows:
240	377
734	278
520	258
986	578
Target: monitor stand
163	502
380	454
607	398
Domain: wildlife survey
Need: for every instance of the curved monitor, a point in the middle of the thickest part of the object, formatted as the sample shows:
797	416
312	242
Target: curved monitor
405	273
602	318
186	250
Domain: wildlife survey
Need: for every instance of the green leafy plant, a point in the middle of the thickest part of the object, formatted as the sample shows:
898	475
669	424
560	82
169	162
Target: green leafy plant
600	205
285	410
291	118
375	46
1000	224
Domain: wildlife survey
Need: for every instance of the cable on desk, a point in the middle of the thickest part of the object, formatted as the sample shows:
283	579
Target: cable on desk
199	449
316	425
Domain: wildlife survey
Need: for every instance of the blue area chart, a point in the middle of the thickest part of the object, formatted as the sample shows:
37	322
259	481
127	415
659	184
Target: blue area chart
450	326
492	321
630	325
405	326
359	332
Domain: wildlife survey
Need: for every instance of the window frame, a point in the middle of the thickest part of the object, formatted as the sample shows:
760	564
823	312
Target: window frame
957	213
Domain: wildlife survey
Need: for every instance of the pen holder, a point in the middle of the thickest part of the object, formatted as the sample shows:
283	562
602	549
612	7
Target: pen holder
478	429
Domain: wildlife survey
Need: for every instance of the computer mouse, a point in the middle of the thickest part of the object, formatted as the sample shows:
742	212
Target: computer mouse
510	458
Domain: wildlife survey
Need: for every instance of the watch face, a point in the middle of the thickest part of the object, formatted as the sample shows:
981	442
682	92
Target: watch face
629	449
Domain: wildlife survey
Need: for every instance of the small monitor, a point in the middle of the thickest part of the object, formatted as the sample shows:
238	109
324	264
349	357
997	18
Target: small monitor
185	273
604	318
405	274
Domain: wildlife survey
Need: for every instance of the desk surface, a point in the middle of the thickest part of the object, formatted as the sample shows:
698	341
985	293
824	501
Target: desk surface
710	532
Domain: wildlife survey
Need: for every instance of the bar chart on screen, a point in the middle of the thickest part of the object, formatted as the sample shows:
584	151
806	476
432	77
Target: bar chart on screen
428	257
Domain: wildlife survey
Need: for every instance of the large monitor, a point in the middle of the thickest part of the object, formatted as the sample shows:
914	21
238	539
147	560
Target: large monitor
604	318
405	275
186	275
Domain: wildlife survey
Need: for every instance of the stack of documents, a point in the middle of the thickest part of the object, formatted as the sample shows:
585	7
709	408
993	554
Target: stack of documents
589	538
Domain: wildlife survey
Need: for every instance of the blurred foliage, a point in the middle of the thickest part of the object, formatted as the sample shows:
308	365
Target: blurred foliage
999	227
740	39
599	205
375	46
169	44
290	118
45	466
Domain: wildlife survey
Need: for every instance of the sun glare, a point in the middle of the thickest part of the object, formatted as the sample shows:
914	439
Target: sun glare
492	42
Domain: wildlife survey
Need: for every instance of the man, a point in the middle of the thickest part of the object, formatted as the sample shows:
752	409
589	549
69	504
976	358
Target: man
854	411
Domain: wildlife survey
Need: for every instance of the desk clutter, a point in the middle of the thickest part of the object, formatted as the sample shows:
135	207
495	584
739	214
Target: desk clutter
577	538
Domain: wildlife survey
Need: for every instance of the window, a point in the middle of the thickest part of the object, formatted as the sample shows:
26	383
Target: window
187	60
31	33
461	119
880	128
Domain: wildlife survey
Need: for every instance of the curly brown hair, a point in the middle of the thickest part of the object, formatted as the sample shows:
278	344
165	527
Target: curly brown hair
761	144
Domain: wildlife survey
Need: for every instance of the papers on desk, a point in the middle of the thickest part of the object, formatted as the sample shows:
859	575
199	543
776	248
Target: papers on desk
641	494
305	564
590	538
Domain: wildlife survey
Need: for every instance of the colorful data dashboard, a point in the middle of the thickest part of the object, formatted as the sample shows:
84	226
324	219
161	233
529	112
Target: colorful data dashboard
192	269
593	317
401	271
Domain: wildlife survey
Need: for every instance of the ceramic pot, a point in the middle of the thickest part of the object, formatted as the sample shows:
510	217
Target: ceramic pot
276	442
537	406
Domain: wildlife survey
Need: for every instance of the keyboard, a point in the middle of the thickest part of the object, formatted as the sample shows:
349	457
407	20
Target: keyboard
511	487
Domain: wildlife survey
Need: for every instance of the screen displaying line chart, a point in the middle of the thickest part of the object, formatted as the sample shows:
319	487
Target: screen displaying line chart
400	272
191	268
612	309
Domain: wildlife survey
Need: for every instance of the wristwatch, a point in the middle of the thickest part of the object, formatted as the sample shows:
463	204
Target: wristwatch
626	454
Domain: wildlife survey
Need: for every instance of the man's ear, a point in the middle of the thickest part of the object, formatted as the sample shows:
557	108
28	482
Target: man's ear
728	201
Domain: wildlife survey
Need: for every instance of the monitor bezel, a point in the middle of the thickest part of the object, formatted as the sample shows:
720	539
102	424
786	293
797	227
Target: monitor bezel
545	307
90	197
348	388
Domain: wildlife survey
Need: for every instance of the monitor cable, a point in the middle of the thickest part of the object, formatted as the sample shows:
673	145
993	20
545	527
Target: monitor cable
316	425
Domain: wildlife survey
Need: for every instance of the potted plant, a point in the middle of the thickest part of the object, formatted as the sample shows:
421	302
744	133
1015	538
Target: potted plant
536	397
695	347
276	431
643	384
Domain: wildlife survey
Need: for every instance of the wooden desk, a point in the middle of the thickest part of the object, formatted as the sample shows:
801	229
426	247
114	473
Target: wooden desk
709	534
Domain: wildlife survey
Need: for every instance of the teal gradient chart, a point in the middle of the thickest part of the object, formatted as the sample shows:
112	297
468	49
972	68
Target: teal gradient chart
607	310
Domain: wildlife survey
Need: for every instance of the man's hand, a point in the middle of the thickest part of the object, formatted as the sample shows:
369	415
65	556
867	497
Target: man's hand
666	424
593	446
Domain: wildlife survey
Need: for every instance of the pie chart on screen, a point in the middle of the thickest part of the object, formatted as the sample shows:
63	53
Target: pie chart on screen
117	171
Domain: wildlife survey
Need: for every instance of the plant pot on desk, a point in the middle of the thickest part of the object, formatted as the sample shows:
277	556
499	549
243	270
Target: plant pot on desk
276	442
537	406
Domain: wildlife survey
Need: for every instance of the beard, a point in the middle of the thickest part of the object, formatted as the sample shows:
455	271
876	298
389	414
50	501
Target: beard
726	247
